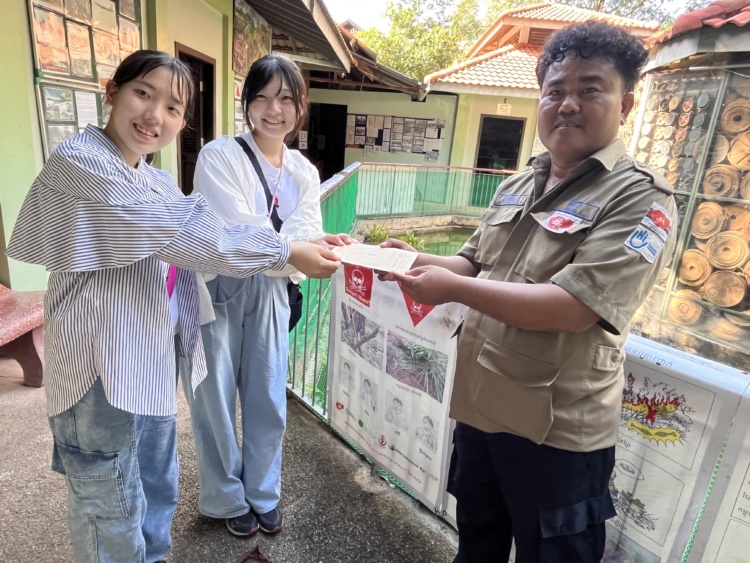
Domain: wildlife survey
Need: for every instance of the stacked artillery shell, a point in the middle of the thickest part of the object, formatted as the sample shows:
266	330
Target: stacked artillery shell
714	270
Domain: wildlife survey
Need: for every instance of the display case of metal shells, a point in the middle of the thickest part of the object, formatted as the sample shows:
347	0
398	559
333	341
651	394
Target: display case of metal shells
695	131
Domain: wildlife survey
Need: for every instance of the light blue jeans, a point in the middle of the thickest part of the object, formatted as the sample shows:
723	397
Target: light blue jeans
121	470
246	353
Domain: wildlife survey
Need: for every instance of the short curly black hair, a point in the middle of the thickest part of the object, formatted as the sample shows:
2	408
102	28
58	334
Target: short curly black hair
595	39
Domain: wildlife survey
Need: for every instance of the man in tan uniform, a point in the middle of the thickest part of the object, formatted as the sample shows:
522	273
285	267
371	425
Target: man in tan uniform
562	259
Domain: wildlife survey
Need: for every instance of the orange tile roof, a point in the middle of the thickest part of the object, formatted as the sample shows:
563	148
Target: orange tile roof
718	14
552	16
569	14
512	66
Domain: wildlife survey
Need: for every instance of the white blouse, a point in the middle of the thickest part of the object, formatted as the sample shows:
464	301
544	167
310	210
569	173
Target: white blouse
226	178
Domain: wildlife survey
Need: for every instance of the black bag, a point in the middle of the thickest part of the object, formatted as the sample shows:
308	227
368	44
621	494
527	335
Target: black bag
295	295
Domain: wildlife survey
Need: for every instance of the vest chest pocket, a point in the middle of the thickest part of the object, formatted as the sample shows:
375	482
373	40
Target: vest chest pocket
497	223
550	246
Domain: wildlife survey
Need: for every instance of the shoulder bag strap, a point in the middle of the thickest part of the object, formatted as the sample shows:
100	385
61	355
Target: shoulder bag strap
275	220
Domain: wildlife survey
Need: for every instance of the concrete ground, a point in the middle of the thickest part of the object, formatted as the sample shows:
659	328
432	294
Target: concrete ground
335	511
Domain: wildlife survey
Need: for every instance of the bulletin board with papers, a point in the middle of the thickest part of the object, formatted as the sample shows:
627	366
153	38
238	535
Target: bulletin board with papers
78	45
387	133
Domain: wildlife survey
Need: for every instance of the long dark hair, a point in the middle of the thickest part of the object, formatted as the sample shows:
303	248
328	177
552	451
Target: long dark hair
266	69
140	63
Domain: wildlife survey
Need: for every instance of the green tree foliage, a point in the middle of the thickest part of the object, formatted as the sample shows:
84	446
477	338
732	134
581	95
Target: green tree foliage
429	35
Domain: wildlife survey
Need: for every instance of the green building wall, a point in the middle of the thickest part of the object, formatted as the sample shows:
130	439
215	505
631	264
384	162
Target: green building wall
397	104
471	108
20	141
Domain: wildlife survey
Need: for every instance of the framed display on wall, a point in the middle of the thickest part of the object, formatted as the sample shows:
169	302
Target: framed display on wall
77	46
388	133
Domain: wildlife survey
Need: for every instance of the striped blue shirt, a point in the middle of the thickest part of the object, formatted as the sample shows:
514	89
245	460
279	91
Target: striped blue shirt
106	231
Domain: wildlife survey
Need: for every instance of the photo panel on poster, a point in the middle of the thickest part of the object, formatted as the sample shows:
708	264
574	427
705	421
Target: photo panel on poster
363	336
127	8
104	15
396	413
86	109
79	46
106	49
368	394
347	374
130	36
645	496
58	104
49	28
416	365
379	133
56	5
56	134
79	10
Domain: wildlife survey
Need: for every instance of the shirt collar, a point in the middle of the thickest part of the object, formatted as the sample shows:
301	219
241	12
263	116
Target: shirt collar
607	157
98	134
256	149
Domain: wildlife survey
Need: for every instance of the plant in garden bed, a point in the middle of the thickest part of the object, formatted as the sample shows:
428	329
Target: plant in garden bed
377	234
417	243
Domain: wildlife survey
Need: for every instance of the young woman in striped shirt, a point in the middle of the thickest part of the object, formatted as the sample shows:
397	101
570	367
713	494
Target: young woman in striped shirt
105	225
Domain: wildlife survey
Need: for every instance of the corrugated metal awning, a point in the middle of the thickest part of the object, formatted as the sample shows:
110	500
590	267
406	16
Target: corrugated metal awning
308	22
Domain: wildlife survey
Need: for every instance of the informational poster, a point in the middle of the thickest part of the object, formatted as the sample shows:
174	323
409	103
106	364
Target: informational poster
676	412
88	113
58	104
127	8
51	51
78	9
130	37
239	119
106	49
386	133
104	15
391	365
724	532
79	45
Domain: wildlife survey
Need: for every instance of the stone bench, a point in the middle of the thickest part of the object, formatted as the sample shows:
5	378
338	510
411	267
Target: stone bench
22	331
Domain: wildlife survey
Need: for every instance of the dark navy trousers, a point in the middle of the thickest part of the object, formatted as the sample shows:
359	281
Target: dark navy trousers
552	502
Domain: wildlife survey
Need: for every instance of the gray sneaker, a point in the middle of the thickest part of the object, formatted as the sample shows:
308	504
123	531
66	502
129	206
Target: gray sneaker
271	521
243	526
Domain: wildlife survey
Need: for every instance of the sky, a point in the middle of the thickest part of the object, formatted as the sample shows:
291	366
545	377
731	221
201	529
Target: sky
366	13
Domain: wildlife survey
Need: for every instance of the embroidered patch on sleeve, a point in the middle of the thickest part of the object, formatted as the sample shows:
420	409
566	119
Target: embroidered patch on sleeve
650	236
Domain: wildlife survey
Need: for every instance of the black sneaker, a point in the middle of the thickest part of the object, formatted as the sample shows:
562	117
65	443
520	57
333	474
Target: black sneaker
243	526
271	521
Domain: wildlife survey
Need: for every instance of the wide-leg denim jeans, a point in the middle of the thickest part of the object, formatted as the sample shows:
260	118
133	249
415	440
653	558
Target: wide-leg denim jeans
122	471
246	353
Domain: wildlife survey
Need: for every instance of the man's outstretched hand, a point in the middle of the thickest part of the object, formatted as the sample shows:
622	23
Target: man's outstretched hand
429	285
401	245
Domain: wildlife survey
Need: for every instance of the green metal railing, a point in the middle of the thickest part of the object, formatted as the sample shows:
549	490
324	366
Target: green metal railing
397	190
308	343
375	190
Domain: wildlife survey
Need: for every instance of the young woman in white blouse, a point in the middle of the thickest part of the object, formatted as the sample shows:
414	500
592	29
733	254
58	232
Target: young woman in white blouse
247	343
